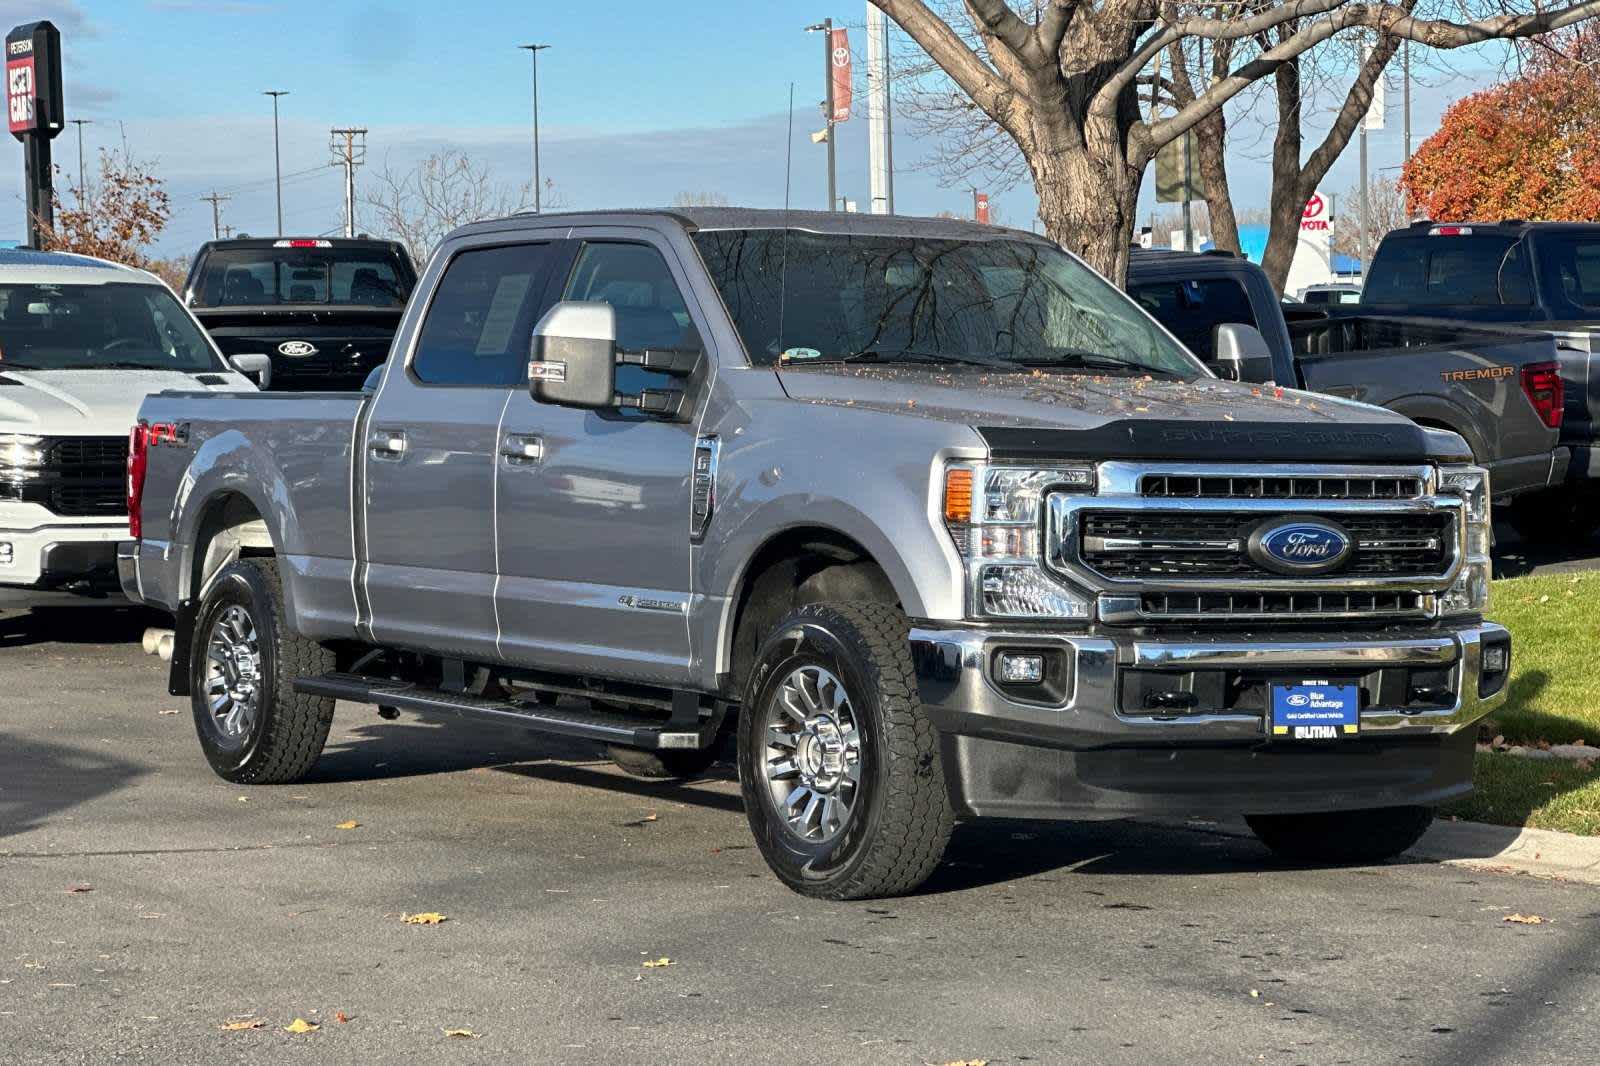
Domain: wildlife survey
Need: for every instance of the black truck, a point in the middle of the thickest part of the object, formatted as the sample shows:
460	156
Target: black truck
1497	386
322	309
1544	275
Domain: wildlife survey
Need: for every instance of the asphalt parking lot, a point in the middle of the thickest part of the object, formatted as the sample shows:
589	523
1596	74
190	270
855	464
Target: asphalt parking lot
210	904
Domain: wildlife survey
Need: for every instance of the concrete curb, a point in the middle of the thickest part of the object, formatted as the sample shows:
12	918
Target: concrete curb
1499	848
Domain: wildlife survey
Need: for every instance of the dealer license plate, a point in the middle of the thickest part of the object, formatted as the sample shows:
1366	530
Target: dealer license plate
1315	710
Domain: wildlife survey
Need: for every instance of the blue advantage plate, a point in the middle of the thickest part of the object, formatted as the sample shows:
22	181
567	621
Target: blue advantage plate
1315	710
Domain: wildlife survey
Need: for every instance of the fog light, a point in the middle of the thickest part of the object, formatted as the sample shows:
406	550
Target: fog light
1019	669
5	553
1495	658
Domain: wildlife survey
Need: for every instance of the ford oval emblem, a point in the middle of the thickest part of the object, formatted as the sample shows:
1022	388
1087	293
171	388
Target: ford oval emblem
1300	545
297	349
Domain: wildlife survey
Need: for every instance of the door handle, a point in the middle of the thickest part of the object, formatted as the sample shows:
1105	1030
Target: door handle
387	443
522	449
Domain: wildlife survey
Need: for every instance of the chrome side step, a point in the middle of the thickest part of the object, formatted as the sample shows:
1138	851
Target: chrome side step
584	723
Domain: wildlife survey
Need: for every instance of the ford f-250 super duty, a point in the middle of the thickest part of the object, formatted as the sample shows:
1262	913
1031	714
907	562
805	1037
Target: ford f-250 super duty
932	516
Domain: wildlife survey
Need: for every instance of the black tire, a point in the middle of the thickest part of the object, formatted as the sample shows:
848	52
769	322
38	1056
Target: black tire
1342	837
283	739
900	817
680	765
1552	517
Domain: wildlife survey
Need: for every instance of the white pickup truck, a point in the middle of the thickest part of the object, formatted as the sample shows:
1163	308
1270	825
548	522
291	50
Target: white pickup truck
82	343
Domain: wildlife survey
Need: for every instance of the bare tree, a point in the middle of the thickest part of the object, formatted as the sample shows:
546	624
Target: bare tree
1386	210
699	199
1060	80
418	207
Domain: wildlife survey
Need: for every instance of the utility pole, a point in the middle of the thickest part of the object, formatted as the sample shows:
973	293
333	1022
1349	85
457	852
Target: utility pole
277	155
83	190
1365	215
1405	93
825	27
216	203
349	148
880	117
538	193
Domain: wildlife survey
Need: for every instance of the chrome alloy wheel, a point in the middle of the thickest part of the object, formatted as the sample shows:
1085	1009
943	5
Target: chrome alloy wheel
812	755
233	673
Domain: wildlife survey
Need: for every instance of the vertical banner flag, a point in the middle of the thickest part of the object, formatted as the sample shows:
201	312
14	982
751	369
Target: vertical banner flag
981	207
20	92
839	49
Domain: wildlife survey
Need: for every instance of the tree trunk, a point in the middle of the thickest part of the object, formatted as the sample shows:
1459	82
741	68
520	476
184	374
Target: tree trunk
1088	205
1210	135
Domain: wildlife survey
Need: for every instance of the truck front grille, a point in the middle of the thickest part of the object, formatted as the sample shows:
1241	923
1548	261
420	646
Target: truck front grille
1170	542
1126	544
80	477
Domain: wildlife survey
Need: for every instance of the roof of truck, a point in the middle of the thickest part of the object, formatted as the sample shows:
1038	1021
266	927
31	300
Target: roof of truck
850	222
28	266
1510	227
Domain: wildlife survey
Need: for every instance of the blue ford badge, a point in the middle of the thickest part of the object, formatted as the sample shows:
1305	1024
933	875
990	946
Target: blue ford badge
1300	545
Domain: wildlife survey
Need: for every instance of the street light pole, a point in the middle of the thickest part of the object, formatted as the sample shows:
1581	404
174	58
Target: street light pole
538	193
82	188
825	27
277	155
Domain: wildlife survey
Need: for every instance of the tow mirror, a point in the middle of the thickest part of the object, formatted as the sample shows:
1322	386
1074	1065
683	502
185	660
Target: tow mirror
1242	354
573	360
254	365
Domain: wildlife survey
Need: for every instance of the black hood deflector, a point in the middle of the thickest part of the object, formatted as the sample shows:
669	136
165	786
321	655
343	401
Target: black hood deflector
1267	442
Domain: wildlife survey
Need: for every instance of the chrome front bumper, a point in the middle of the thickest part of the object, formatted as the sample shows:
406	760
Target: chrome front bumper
955	670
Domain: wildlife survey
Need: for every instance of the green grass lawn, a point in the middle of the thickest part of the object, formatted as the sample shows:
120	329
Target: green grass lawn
1554	697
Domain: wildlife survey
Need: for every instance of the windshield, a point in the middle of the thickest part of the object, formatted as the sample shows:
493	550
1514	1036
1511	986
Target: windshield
990	304
99	327
256	277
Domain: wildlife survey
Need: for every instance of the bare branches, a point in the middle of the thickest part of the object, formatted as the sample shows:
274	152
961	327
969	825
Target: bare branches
418	207
935	37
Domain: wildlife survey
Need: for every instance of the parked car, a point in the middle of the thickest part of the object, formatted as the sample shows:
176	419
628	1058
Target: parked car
324	309
936	520
1544	275
1498	387
1330	292
82	341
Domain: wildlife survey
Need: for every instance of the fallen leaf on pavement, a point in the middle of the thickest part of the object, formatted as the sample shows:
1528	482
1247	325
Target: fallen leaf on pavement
1524	919
465	1034
425	918
968	1062
300	1025
340	1016
651	964
165	713
352	824
252	1023
80	888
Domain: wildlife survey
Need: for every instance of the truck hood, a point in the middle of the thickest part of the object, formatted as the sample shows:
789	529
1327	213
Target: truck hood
94	402
1045	400
1043	415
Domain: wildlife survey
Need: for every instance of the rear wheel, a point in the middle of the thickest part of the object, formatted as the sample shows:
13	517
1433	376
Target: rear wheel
1342	837
253	727
840	769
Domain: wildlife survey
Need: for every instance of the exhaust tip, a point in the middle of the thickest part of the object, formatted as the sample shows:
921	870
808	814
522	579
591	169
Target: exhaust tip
164	647
152	637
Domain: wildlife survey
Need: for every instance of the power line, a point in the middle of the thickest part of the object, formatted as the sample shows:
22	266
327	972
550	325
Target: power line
216	203
349	148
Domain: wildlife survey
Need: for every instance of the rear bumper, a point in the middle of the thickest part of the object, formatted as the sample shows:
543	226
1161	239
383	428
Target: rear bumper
1098	750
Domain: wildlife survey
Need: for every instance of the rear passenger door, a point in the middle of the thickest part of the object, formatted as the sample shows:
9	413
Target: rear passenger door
430	446
594	533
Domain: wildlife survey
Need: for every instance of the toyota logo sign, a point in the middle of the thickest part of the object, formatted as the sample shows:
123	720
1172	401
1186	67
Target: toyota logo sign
297	349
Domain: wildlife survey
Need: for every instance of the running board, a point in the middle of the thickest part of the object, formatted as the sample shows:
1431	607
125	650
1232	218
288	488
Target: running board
606	727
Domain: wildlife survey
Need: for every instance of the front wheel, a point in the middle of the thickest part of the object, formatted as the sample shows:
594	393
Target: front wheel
1342	837
253	727
839	766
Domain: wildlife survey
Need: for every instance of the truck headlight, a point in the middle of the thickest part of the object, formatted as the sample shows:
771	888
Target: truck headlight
995	515
1470	592
20	453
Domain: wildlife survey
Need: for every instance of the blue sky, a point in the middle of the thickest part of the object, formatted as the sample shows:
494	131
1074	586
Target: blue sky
640	100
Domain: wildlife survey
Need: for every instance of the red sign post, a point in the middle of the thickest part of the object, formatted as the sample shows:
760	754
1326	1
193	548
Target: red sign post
35	114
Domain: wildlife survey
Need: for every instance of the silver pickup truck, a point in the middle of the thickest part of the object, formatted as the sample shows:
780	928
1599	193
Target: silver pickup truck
934	519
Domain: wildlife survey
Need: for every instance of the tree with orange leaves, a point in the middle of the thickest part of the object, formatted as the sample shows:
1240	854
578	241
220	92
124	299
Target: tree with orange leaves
118	219
1529	148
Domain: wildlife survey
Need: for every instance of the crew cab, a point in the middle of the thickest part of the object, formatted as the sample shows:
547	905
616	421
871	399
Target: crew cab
323	309
82	341
931	517
1499	387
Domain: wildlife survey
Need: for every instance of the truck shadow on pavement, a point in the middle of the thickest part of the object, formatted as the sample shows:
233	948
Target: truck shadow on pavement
41	780
77	625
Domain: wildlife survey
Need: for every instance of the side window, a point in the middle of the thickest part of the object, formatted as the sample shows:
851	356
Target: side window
635	281
1516	281
1193	309
478	326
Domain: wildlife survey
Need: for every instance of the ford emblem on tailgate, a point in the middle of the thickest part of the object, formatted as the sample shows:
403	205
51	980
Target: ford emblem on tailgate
1300	545
297	349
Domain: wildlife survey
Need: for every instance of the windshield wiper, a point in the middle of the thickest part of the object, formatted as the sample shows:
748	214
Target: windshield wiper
1087	360
903	355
